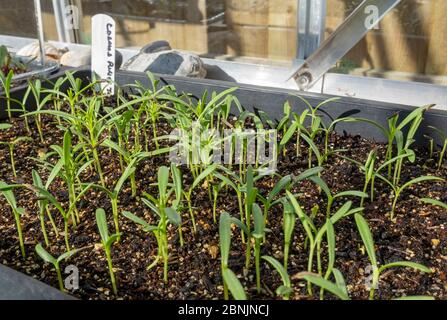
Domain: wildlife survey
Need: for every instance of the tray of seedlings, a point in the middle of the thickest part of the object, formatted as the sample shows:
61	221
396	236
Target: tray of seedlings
15	70
197	189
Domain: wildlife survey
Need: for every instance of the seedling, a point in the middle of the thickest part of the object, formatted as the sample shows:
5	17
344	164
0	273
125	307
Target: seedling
286	289
5	85
6	191
47	257
71	164
107	243
129	156
167	215
289	219
258	234
399	189
369	174
204	175
331	197
338	289
11	146
315	235
36	89
443	137
285	183
296	128
114	194
368	241
394	133
44	194
43	207
230	281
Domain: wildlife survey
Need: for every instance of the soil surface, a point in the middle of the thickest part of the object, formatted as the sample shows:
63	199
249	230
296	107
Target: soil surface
419	233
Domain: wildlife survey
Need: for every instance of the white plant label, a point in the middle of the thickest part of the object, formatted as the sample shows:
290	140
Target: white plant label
103	51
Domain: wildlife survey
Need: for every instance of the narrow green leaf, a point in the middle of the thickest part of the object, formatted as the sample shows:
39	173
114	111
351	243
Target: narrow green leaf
365	234
326	285
45	255
417	298
280	268
225	237
234	284
408	264
173	216
258	218
136	219
434	202
67	255
102	225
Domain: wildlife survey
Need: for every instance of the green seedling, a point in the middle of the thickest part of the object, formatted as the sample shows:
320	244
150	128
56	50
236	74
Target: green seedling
338	289
204	175
107	243
289	219
72	162
331	197
114	194
36	89
6	191
285	183
11	146
45	195
43	207
369	174
394	134
315	235
167	215
129	156
230	280
368	241
258	235
398	190
443	137
296	128
5	85
47	257
286	289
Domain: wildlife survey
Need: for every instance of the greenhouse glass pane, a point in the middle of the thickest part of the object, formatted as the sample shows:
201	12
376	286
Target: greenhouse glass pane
244	30
409	43
17	18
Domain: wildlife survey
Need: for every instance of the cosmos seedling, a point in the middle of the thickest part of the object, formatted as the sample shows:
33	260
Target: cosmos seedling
167	215
6	191
286	289
107	243
47	257
114	194
399	189
368	241
443	137
11	146
315	235
230	281
331	197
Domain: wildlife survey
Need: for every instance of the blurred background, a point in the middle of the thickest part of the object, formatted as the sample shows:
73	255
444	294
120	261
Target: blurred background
411	43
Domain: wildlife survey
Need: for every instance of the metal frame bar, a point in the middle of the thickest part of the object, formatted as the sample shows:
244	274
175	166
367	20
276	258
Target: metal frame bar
350	32
311	15
65	33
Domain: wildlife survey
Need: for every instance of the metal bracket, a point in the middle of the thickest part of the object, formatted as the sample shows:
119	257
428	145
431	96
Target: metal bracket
364	18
